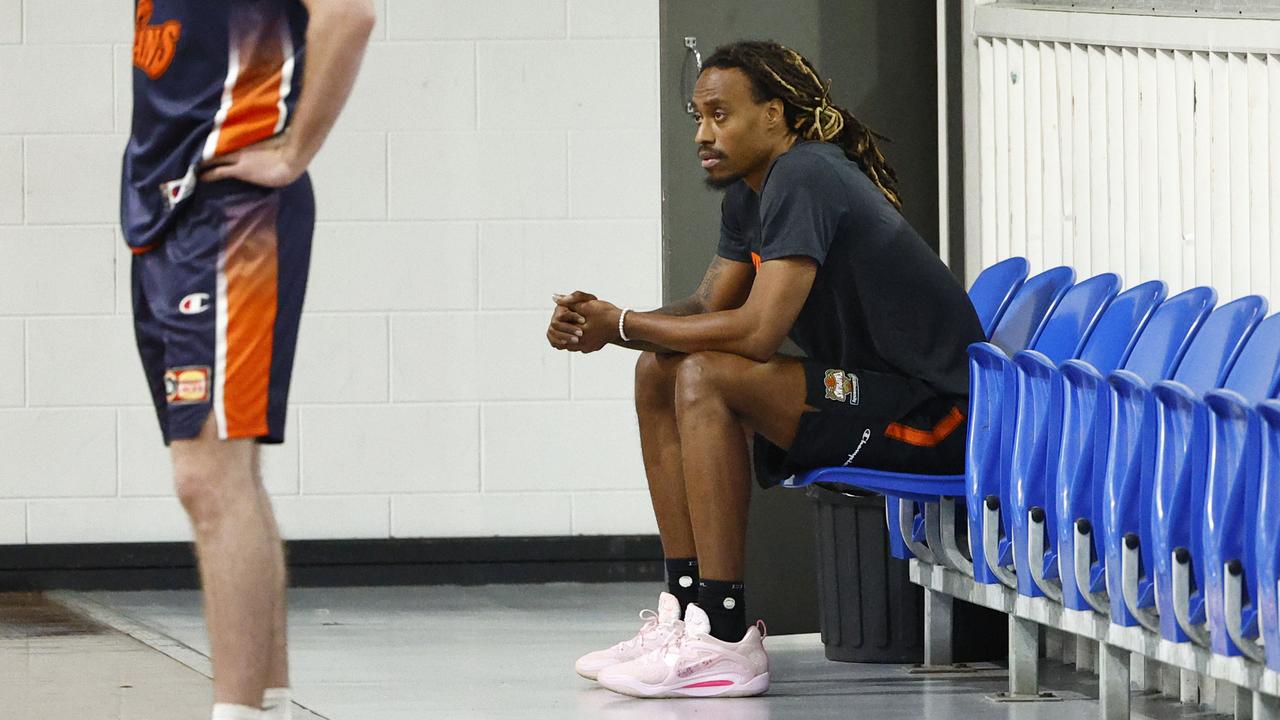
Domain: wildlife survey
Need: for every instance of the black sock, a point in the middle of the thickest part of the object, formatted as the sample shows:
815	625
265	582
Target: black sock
682	580
724	603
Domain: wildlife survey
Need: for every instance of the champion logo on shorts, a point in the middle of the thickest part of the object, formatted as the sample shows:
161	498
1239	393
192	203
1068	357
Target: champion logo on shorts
841	386
866	435
175	191
187	385
194	304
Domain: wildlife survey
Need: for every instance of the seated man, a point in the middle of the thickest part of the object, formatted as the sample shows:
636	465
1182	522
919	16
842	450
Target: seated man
812	247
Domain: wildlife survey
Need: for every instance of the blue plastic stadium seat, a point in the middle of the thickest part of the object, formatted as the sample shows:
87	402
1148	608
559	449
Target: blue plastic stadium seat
992	397
1134	557
990	294
1064	337
994	289
1085	452
1022	323
1266	544
1069	475
1233	454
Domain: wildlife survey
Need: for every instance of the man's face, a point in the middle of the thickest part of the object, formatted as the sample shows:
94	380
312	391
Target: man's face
733	129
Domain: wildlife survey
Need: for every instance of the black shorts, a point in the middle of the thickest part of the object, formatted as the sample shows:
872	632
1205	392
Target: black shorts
216	307
869	420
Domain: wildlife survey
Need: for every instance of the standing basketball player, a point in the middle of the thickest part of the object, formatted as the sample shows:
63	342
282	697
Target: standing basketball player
812	246
217	208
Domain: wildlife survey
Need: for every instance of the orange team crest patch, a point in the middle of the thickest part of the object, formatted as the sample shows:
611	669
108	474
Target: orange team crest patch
153	45
841	386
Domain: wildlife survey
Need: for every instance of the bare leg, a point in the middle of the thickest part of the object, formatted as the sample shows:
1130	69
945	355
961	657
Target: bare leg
278	675
237	551
660	448
716	394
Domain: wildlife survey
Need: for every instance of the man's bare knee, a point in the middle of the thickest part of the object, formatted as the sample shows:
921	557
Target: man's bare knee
200	492
655	379
700	378
210	476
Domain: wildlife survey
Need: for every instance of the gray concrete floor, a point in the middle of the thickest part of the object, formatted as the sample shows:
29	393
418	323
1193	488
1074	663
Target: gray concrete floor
483	652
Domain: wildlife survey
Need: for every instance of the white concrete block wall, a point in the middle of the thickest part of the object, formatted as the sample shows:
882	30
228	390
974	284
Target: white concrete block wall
492	153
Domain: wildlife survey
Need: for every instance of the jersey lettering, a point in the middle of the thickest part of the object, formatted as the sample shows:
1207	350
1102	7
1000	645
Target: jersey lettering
153	45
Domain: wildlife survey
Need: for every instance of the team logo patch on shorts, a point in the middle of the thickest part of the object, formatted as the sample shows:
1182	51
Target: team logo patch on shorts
187	385
842	386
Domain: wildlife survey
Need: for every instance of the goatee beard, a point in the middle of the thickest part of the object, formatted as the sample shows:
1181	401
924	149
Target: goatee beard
723	183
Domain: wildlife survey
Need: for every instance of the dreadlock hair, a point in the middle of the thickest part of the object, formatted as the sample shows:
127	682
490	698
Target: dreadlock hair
777	71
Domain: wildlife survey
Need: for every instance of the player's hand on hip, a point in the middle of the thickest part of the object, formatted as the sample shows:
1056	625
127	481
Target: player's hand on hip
268	163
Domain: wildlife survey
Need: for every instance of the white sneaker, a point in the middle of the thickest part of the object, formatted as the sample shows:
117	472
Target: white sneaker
658	627
695	664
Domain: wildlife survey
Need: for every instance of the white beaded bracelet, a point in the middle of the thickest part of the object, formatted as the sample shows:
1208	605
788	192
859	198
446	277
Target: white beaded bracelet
622	333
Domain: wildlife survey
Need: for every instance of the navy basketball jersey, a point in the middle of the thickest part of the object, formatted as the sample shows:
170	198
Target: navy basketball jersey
209	78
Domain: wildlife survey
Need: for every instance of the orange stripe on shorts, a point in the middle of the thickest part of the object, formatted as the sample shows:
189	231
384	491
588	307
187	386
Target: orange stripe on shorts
926	438
252	291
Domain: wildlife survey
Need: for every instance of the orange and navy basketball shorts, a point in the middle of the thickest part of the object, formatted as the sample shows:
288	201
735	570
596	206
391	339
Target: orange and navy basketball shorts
874	420
216	307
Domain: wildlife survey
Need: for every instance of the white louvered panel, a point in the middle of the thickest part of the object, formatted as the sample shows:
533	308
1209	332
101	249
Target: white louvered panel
987	154
1240	245
1167	241
1184	116
1114	80
1154	163
1017	129
1099	177
1000	122
1259	177
1202	180
1146	177
1131	161
1075	156
1032	155
1052	193
1273	202
987	222
1220	173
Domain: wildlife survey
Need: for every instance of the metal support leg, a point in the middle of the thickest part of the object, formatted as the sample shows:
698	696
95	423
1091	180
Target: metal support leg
1068	654
1170	681
1024	647
1188	687
1146	673
1086	655
1113	682
1242	702
1266	707
1053	643
1024	644
937	628
1209	692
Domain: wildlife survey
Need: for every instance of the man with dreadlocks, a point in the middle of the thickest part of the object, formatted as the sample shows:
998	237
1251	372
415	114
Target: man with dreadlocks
812	246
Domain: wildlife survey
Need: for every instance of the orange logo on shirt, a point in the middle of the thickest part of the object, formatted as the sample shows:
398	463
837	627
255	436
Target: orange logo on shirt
153	45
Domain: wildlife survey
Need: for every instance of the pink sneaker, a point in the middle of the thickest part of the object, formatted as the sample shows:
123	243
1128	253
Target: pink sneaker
658	627
695	664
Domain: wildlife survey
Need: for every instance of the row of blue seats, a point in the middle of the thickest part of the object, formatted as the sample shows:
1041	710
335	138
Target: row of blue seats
1123	457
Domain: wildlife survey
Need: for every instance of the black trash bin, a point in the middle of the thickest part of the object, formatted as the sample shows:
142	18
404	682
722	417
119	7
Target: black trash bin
869	609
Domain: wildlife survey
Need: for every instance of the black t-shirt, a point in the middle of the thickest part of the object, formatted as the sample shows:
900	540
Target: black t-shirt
882	300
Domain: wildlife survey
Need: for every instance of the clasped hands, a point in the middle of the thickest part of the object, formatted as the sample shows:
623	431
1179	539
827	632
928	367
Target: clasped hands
582	323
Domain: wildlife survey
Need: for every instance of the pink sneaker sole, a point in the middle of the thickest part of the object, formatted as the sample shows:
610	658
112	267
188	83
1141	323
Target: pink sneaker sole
707	687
